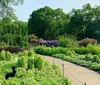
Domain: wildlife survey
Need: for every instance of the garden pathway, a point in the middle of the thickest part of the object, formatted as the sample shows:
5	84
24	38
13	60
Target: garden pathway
77	74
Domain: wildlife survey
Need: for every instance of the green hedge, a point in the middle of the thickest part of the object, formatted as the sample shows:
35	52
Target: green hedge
83	56
93	49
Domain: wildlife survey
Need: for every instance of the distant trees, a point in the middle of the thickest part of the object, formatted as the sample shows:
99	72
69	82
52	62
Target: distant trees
13	33
85	22
49	23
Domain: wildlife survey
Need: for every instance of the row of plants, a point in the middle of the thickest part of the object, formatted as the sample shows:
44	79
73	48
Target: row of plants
93	49
31	69
84	56
88	60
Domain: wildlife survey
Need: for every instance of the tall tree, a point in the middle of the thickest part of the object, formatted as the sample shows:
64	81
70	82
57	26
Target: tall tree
46	22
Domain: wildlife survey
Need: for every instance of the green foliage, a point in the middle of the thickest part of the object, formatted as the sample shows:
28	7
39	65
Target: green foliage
50	22
54	66
70	53
50	50
66	82
61	56
38	62
89	57
94	49
68	41
22	62
8	56
13	33
84	58
96	59
31	53
43	74
95	66
30	62
82	23
2	55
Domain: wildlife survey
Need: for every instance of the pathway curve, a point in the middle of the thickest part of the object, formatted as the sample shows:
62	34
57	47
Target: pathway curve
77	74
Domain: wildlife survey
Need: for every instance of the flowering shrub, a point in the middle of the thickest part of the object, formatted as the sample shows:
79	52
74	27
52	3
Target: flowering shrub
87	41
49	42
45	42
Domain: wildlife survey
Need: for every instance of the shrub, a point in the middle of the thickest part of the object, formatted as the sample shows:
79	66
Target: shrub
96	59
95	66
68	58
10	82
2	55
22	62
87	41
31	53
66	82
99	55
61	56
69	53
89	57
25	53
54	66
38	62
30	62
68	41
8	55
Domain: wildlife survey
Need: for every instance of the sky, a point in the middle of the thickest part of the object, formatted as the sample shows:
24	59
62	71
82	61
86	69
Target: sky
23	11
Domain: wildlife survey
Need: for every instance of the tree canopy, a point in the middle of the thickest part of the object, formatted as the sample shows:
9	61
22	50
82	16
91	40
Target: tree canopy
85	22
47	23
6	8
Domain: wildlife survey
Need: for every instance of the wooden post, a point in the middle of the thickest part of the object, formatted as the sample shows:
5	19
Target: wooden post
63	69
53	60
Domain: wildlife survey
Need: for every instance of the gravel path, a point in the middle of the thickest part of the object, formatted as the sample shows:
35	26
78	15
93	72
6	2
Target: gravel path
77	74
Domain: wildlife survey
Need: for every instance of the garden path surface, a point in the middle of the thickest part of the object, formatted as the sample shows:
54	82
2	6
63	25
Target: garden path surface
77	74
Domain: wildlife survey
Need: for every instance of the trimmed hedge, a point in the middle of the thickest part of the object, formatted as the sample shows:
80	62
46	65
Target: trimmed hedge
92	49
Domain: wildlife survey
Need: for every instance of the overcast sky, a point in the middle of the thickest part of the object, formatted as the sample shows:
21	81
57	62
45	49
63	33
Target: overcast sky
23	11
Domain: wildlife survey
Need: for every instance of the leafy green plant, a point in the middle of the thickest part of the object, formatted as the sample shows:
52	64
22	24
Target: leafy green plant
2	55
38	62
30	62
31	53
89	57
68	41
8	56
39	72
95	66
22	62
70	53
96	59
